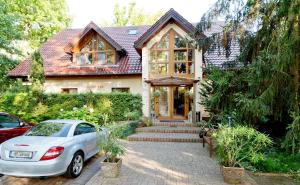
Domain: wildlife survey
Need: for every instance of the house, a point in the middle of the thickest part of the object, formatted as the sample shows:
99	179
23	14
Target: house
159	62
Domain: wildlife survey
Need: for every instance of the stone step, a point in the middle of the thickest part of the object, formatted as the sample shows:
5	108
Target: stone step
174	124
168	129
165	137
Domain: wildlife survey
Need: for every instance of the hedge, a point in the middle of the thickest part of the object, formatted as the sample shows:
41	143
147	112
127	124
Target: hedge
35	107
123	130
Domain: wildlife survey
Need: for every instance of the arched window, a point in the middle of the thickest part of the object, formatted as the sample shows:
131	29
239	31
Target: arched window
172	55
95	51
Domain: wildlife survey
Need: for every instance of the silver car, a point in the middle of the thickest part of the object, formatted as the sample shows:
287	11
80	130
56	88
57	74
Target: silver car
51	148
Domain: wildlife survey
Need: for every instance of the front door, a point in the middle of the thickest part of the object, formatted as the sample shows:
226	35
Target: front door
171	103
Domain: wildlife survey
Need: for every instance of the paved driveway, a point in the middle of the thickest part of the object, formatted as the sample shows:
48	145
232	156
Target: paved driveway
91	168
164	163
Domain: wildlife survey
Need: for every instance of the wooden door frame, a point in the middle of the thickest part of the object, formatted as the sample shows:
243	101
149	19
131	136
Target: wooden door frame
171	105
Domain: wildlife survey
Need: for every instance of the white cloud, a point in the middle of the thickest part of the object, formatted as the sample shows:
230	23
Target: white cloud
82	12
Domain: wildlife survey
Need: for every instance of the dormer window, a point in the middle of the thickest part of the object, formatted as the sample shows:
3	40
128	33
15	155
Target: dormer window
95	51
132	32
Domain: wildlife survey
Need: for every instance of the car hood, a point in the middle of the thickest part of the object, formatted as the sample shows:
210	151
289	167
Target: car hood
39	145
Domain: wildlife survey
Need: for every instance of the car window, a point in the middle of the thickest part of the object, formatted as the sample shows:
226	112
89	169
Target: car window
84	128
50	129
8	121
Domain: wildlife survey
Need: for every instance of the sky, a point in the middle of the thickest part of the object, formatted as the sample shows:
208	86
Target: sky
99	11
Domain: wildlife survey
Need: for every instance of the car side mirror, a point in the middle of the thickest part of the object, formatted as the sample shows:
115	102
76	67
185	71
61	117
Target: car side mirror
22	124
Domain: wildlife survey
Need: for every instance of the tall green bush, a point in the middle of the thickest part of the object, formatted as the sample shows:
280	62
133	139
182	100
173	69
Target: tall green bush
34	106
239	144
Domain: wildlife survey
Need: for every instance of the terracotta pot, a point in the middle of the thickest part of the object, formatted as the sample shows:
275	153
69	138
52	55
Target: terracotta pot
110	169
233	175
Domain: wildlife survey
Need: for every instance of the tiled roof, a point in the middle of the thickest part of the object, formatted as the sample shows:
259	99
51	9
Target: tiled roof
21	70
216	56
58	61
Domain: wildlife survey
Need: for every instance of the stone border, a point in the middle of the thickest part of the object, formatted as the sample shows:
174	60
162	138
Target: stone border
272	174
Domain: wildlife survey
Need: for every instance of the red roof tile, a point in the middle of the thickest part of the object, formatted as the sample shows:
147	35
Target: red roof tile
21	70
57	61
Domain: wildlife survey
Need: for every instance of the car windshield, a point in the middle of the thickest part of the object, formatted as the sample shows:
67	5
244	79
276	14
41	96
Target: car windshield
8	122
50	129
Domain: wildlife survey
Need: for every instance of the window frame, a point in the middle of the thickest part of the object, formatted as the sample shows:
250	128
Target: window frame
67	90
95	39
85	132
171	62
18	121
116	89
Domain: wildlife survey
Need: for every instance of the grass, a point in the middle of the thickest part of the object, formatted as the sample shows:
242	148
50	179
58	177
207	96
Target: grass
281	162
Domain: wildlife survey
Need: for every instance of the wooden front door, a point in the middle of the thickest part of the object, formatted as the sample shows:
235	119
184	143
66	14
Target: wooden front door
171	103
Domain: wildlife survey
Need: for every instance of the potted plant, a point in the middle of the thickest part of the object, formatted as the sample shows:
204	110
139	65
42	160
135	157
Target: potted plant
156	94
206	128
189	94
236	145
145	122
112	149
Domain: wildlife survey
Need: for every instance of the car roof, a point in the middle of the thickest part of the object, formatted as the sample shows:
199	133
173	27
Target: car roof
66	121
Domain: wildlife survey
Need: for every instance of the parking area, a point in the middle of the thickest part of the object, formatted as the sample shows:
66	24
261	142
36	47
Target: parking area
164	163
91	168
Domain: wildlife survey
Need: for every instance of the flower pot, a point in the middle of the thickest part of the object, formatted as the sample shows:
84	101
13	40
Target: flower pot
110	169
233	175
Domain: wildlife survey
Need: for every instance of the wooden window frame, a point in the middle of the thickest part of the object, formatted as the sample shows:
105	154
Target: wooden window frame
95	39
171	57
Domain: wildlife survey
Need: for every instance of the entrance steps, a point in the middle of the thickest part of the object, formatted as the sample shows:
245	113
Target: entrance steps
174	124
168	132
168	129
165	137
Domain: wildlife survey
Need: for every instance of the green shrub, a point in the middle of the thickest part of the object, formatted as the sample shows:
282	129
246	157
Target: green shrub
239	144
122	130
146	121
134	115
34	106
278	162
112	148
84	113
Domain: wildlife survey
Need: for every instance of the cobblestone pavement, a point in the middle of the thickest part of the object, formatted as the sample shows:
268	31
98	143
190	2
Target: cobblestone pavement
164	163
92	166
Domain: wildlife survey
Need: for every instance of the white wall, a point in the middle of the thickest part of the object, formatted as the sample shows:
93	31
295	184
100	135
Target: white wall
104	84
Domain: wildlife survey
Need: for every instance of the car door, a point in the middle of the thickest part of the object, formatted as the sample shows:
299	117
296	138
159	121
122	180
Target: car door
87	133
10	127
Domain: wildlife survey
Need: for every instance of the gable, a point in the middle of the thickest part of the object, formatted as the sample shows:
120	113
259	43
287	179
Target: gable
90	30
171	17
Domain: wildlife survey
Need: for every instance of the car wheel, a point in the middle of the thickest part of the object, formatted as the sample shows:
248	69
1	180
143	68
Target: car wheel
76	166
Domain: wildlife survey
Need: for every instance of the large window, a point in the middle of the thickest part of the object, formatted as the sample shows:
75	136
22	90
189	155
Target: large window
172	55
95	51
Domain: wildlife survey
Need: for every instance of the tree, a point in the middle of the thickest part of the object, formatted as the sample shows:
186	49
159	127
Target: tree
32	21
132	16
266	86
39	19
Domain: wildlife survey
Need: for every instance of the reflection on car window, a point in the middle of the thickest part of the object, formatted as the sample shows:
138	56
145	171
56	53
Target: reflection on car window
84	128
50	130
8	122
